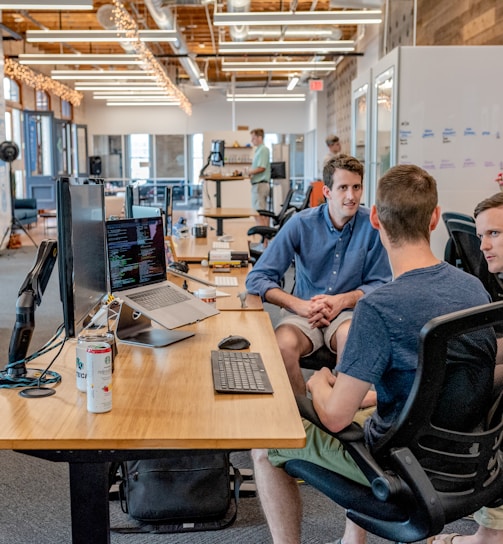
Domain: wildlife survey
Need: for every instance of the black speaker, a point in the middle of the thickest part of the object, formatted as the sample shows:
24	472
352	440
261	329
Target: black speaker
95	165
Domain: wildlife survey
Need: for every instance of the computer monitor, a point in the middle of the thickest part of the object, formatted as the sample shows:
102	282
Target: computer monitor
217	157
81	250
278	170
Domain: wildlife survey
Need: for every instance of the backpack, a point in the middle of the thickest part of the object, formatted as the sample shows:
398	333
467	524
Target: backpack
195	490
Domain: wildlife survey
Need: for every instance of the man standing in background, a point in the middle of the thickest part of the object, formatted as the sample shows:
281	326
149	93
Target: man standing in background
334	147
260	175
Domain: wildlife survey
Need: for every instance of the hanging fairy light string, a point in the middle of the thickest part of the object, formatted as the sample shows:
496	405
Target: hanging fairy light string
41	82
125	23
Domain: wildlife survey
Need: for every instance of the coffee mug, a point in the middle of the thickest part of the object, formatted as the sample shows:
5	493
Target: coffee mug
200	230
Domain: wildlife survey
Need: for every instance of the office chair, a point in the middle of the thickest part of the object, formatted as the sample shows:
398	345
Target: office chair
450	255
421	476
266	233
467	247
306	202
277	218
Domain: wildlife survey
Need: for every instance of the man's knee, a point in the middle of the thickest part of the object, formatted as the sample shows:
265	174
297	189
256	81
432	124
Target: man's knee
338	339
292	341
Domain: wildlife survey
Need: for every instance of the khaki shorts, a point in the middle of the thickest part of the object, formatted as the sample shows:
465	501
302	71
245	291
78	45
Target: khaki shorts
259	194
317	336
324	450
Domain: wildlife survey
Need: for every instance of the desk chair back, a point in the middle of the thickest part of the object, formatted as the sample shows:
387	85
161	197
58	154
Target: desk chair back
450	254
420	476
467	248
277	218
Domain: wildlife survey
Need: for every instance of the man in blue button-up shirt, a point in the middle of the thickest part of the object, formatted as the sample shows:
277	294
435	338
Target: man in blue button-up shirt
338	258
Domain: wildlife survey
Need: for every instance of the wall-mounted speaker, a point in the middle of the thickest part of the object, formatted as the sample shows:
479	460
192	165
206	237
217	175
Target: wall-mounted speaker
95	165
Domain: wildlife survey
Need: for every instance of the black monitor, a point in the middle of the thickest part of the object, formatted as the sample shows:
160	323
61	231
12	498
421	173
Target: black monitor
81	250
278	170
217	156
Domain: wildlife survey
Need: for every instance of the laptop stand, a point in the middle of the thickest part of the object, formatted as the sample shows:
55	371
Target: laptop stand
134	328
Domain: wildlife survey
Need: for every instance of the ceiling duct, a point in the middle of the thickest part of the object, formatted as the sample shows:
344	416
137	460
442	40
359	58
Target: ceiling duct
244	32
164	19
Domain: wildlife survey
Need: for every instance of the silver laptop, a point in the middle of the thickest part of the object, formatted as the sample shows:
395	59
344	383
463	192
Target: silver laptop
137	272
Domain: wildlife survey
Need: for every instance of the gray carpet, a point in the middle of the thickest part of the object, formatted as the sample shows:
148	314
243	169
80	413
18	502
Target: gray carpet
34	494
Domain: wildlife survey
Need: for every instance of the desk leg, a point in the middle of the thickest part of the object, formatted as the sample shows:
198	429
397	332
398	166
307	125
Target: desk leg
218	191
89	503
220	227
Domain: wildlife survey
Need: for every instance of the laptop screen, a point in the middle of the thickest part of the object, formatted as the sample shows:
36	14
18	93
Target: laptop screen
135	250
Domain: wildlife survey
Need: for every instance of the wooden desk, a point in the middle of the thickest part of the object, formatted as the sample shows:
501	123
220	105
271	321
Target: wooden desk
226	213
232	302
163	399
194	250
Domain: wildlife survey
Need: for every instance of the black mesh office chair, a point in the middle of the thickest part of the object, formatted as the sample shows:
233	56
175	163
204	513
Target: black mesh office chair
421	477
450	254
266	233
306	202
467	247
277	218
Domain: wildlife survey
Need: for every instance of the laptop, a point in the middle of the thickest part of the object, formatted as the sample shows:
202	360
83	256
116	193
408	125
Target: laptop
137	272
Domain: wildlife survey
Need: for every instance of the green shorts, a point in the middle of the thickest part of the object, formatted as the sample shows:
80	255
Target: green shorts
324	450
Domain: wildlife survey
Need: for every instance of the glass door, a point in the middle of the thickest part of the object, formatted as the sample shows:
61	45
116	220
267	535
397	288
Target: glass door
39	158
79	151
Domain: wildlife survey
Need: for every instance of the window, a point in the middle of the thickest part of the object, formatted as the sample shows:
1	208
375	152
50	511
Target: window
66	109
11	90
42	101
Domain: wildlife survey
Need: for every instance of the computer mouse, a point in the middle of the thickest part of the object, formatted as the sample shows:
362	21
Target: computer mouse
181	266
234	342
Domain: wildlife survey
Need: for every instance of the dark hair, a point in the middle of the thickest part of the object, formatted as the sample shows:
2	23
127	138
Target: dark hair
258	132
495	201
341	162
332	139
405	200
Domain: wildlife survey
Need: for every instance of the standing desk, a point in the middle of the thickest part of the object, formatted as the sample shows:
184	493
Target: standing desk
218	179
163	399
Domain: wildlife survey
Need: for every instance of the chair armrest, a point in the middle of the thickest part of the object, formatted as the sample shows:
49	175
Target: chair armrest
384	484
266	213
265	232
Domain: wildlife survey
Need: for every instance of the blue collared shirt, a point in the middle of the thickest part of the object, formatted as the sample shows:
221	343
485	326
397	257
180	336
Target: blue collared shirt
327	260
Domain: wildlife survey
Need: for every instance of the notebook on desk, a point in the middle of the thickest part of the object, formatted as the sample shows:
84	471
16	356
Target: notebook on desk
137	271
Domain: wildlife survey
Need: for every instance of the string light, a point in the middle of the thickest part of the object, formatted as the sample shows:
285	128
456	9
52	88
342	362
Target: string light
41	82
124	22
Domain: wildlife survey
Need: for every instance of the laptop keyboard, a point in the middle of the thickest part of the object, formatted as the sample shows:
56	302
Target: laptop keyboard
239	372
159	297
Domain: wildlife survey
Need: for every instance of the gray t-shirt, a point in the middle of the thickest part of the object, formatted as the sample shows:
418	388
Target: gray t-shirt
382	345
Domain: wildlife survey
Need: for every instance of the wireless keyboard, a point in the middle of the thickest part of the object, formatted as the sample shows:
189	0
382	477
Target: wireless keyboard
239	372
226	281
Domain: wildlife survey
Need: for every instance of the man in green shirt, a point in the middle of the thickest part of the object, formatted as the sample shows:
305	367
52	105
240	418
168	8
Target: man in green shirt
260	175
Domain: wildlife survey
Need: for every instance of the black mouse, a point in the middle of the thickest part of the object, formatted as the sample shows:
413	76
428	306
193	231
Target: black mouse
181	266
234	342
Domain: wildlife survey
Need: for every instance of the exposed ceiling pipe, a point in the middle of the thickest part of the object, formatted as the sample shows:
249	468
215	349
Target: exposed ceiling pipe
164	19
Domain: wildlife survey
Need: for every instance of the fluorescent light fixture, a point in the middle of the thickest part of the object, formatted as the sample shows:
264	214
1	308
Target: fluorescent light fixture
55	36
204	84
280	66
287	47
101	74
136	92
248	97
143	103
134	97
74	58
42	5
127	87
277	32
264	18
293	82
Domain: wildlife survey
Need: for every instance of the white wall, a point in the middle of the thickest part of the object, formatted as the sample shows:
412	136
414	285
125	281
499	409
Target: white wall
210	113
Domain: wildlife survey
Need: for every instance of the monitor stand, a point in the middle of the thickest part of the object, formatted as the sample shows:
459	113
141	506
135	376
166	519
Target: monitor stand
134	328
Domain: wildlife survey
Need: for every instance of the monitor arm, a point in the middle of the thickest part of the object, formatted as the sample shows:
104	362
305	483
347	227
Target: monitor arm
29	296
203	169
